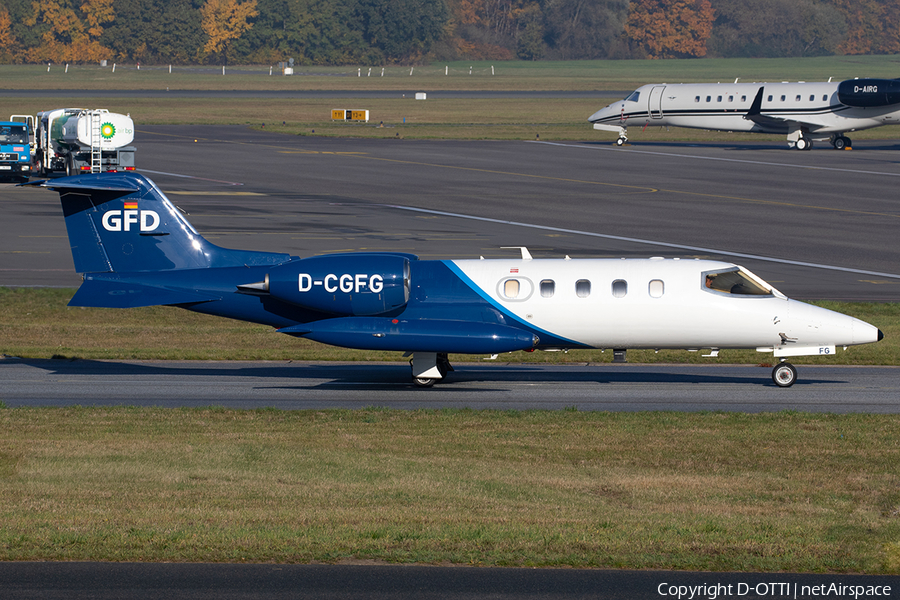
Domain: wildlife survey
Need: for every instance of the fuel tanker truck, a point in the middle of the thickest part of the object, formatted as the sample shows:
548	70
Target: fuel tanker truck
80	140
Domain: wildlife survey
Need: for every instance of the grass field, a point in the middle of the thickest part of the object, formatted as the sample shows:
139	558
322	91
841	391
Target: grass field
583	75
706	491
404	117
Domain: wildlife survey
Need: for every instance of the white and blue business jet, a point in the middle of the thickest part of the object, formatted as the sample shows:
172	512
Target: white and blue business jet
822	111
136	249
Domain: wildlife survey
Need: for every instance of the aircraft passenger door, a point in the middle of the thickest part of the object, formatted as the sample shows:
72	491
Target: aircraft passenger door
655	102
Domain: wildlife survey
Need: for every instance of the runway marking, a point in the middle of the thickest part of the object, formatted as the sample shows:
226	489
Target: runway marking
619	238
214	194
643	190
189	177
716	158
636	189
753	162
319	152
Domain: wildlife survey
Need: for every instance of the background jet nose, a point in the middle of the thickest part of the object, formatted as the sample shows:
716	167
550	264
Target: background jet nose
880	335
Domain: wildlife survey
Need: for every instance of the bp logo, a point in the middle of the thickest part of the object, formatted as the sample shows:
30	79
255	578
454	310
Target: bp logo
108	131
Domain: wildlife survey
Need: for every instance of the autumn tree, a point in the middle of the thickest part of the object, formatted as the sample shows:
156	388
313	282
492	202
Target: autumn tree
585	28
224	21
69	30
873	26
670	28
404	30
771	28
7	39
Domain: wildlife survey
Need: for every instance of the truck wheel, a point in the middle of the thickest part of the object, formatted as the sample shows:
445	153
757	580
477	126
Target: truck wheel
70	166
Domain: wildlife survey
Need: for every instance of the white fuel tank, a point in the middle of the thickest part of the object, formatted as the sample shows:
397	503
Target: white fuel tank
87	128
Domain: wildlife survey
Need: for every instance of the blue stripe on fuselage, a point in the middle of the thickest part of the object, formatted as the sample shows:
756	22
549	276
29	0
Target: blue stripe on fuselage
548	339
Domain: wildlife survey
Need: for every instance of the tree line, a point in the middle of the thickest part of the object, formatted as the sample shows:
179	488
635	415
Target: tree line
334	32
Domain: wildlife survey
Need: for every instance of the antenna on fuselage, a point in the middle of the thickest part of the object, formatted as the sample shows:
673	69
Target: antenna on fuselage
526	255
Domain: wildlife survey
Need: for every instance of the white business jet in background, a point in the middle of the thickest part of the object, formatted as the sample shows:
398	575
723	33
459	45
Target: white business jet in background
803	111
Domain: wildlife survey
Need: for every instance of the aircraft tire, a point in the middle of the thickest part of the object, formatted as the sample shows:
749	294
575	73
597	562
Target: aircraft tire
784	374
803	144
424	382
839	143
620	141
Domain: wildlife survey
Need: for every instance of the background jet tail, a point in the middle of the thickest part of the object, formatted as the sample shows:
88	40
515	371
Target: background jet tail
122	222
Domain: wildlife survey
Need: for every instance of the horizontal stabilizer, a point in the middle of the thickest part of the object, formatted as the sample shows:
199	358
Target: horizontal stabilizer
419	335
121	294
71	183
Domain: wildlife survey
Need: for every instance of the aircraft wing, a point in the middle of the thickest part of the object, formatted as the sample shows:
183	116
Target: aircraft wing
124	294
756	115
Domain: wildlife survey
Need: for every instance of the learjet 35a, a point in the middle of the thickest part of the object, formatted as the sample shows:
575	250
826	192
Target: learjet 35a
803	111
135	248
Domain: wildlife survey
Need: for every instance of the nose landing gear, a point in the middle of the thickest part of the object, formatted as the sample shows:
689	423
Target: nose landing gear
784	374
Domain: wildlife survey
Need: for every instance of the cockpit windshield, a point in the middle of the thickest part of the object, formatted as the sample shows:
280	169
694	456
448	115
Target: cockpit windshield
633	97
736	281
13	134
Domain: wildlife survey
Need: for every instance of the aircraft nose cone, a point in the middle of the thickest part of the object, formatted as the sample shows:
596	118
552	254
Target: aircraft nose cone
880	335
598	115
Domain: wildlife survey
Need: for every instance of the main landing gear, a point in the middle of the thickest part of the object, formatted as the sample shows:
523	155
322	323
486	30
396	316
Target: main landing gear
840	142
429	367
784	374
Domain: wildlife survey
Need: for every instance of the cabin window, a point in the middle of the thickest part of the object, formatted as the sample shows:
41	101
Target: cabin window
719	99
657	288
633	97
582	288
696	98
511	288
709	98
735	281
812	97
743	98
770	97
548	286
783	97
824	97
619	288
731	98
798	98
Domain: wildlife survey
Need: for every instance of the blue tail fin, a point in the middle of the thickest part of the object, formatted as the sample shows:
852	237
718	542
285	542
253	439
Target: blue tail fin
122	222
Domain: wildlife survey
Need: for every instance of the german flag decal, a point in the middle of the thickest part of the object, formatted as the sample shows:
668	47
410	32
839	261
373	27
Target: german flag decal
131	206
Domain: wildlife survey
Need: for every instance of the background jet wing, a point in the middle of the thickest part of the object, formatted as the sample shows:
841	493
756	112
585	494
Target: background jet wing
755	114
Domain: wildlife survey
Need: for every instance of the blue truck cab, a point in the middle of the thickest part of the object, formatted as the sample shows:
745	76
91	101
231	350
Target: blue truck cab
15	151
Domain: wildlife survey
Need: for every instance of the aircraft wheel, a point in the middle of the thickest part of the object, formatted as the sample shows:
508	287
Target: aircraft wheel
424	382
840	143
784	374
620	141
803	144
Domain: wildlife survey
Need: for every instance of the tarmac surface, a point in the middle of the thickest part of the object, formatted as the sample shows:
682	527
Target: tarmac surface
818	225
129	581
486	385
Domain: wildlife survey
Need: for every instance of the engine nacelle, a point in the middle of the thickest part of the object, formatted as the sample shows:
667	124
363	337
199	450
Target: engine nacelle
865	93
340	284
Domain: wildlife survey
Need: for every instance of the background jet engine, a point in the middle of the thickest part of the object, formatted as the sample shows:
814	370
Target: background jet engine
341	284
864	93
